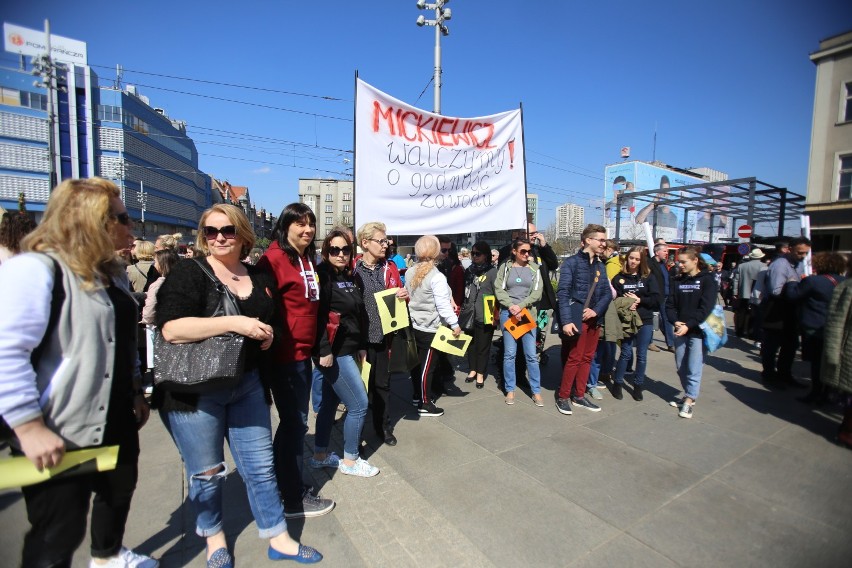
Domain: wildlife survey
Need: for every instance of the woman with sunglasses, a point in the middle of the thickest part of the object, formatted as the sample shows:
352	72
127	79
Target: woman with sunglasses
339	349
640	294
200	420
479	282
374	273
290	259
518	286
69	372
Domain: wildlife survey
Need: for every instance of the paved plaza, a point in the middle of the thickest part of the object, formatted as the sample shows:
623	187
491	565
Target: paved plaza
753	479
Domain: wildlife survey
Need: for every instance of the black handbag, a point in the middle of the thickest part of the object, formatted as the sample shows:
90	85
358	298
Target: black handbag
184	367
403	352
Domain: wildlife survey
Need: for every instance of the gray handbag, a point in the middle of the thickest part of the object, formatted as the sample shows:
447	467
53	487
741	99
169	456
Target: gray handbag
194	367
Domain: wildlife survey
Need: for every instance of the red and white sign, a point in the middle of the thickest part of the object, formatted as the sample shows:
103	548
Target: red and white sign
744	231
422	173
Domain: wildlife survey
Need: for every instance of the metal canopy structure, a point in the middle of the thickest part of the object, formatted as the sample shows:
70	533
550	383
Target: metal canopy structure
747	200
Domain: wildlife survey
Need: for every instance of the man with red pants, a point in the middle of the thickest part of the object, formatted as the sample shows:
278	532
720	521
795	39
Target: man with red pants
582	299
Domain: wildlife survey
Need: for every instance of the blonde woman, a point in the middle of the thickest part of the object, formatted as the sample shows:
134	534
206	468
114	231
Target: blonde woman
201	420
138	273
68	313
430	307
168	241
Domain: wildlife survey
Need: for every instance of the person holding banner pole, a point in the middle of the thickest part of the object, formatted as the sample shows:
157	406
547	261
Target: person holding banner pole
517	287
375	273
429	306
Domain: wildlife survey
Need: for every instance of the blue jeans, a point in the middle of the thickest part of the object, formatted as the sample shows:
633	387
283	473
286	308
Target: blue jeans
689	359
641	340
316	389
342	381
510	349
291	391
604	357
240	414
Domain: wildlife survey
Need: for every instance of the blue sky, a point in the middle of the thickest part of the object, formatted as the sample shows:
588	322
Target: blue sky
727	84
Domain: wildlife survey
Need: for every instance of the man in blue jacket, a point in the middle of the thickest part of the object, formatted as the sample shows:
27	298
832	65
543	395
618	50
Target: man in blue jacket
582	297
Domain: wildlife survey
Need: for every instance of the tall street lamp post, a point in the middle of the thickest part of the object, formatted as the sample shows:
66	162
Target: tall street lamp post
441	15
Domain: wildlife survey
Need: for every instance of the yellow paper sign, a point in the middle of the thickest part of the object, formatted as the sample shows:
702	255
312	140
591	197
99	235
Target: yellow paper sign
489	304
519	326
20	471
392	311
365	374
444	341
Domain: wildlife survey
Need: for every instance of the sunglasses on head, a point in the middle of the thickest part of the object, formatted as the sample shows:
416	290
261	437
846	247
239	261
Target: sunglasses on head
123	218
335	251
228	232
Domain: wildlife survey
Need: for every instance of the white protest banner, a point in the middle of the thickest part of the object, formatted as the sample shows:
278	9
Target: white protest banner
423	173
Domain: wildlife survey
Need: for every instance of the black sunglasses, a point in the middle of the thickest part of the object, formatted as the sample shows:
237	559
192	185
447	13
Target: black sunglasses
445	251
335	251
477	253
228	232
123	218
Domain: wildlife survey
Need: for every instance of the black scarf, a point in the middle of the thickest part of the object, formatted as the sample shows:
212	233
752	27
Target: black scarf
474	271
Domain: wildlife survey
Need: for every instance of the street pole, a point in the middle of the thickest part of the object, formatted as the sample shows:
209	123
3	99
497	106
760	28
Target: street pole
44	67
441	15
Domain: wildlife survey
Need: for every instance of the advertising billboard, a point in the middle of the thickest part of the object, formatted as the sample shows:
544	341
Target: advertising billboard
629	177
25	41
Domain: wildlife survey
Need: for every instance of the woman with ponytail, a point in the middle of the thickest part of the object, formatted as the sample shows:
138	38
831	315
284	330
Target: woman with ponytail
430	307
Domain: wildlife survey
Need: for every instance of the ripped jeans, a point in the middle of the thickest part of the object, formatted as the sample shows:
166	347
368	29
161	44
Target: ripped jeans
241	414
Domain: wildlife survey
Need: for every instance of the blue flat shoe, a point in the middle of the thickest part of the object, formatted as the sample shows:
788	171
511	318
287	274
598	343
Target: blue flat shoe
306	555
221	558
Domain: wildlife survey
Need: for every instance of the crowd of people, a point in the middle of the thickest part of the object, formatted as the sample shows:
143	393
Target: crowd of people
84	324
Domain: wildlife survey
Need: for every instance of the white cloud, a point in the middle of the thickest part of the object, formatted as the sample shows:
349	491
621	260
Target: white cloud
263	170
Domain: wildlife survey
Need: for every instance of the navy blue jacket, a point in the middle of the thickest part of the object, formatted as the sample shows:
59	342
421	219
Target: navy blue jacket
577	274
813	295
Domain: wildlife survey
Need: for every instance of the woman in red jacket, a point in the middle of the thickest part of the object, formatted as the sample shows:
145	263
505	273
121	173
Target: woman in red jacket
289	258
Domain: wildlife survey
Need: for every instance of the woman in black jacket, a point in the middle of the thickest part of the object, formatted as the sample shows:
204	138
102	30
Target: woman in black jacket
339	348
691	300
636	282
479	282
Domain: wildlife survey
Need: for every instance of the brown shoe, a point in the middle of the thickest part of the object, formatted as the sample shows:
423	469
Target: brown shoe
653	347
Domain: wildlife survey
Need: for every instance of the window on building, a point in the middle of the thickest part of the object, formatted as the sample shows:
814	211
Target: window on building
347	197
844	189
329	197
847	105
34	100
347	208
329	220
11	97
329	208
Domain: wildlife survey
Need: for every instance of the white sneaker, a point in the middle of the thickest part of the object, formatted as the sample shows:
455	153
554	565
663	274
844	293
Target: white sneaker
127	559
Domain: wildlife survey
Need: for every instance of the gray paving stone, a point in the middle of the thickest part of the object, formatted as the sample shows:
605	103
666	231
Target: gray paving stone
715	524
616	481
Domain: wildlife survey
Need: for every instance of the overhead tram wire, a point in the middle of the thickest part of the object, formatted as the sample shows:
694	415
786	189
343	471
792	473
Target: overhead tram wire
247	103
561	161
220	83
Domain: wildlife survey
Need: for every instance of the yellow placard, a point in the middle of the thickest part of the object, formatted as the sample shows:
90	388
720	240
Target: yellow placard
444	341
518	326
489	305
392	311
19	471
365	374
